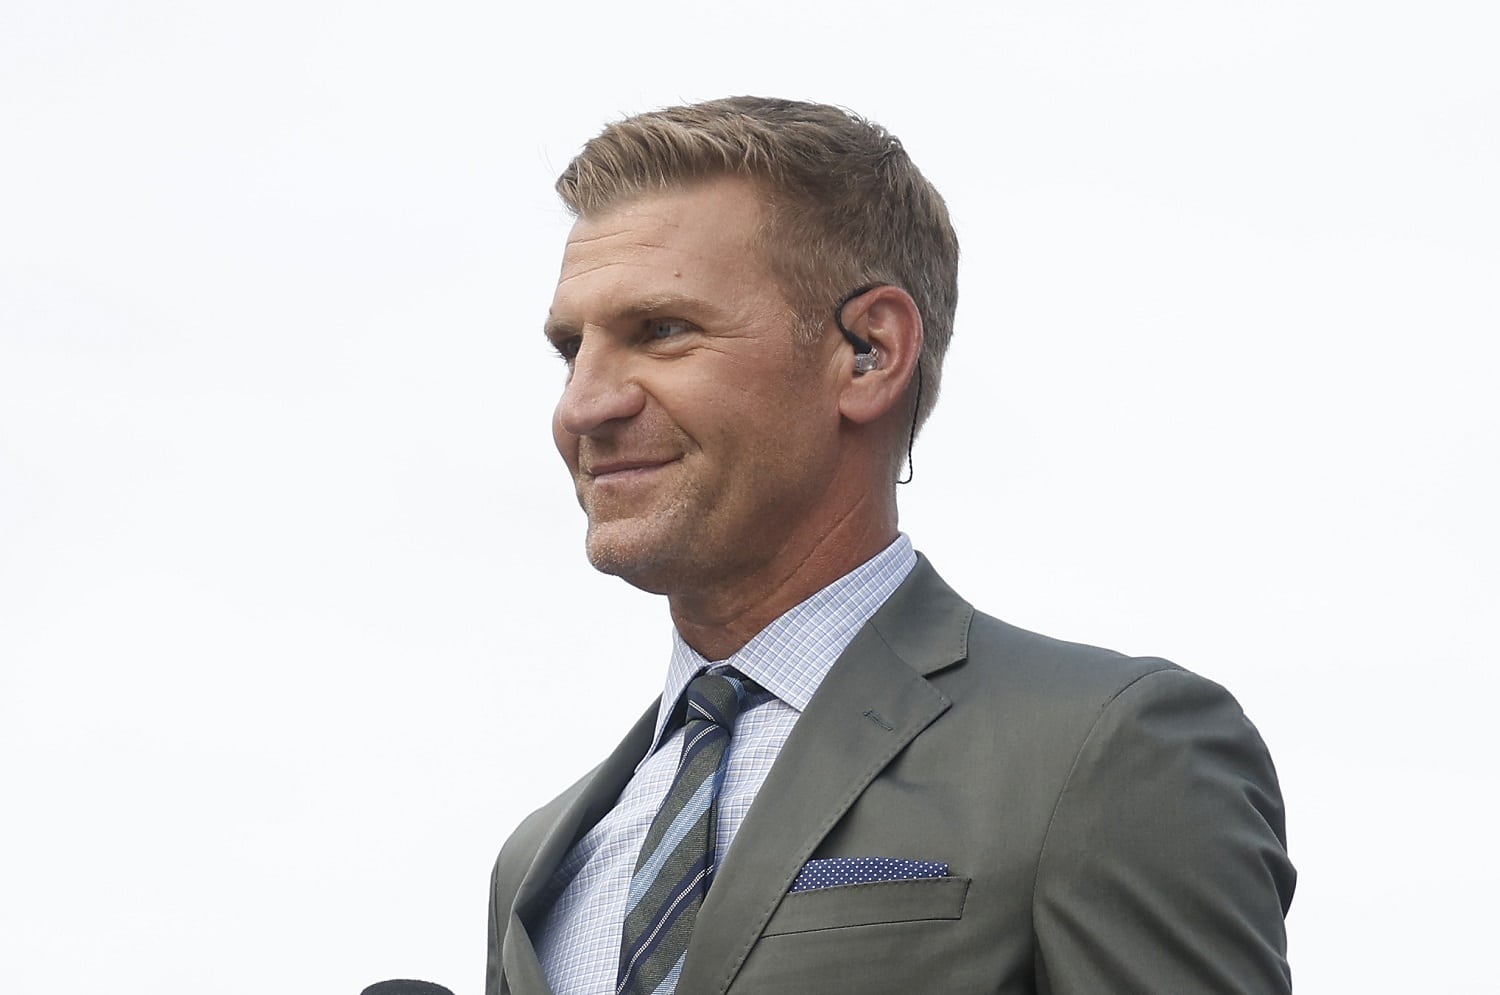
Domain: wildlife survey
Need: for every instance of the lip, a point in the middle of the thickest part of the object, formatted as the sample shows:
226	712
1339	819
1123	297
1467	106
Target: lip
621	469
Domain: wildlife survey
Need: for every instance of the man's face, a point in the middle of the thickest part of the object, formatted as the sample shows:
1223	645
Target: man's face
699	433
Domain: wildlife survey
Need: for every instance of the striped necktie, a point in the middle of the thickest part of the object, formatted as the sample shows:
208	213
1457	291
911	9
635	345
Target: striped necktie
676	864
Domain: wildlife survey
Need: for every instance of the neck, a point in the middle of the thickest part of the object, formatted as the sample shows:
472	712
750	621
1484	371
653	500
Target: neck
718	620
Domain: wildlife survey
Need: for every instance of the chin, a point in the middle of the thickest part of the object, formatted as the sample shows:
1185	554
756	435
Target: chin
640	560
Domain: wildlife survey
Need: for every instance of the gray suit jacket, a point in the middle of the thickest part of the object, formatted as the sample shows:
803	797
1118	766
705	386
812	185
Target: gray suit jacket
1110	825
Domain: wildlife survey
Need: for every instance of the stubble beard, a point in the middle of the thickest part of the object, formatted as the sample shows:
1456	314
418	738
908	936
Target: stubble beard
652	550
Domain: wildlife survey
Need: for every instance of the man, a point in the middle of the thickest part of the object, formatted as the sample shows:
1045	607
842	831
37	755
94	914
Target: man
876	788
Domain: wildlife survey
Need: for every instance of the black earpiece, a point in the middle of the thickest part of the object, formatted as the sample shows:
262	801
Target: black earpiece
866	356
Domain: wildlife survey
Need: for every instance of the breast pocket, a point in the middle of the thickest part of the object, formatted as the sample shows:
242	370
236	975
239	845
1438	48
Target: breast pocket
876	938
869	904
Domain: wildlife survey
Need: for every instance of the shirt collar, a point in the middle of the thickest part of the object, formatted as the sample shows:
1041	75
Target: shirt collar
790	657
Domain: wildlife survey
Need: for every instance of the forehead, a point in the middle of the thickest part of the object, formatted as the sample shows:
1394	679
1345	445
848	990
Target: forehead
701	239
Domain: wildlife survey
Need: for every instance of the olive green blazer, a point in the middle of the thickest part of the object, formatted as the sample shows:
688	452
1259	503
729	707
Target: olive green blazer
1110	824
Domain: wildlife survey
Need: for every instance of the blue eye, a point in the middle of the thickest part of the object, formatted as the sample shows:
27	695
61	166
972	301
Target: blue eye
666	328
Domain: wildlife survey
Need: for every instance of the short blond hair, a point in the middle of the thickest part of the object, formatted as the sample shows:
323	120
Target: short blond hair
846	206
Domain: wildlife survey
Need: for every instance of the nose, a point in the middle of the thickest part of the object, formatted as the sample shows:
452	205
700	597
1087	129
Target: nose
600	389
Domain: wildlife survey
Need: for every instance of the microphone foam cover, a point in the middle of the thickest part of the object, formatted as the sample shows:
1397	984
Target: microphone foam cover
400	987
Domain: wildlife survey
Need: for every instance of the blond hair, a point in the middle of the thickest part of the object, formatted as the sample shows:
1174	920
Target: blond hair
846	206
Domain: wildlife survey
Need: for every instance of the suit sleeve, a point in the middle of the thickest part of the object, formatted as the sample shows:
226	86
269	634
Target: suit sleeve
493	969
515	857
1164	867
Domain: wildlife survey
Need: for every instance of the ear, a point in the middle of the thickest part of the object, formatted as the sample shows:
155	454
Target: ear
887	318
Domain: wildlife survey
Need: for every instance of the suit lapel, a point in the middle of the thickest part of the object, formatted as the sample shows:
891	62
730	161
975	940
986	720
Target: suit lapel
874	701
578	810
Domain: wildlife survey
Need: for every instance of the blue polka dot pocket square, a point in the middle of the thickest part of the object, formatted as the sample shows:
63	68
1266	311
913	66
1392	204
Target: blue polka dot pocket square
835	872
844	893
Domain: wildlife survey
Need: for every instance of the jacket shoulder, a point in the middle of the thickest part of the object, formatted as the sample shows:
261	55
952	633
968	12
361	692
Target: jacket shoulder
943	637
1032	662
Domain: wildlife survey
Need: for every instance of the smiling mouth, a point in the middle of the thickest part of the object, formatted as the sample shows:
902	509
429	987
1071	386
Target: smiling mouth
624	469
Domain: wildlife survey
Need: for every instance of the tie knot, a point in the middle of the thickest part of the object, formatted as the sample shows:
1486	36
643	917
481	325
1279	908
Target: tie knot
717	698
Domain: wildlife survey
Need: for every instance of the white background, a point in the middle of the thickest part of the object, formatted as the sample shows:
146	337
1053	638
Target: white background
291	580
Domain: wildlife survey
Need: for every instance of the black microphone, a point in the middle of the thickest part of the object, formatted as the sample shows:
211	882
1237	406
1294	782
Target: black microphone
402	987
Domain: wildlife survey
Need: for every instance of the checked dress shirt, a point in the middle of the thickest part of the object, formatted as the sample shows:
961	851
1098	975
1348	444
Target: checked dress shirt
579	941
